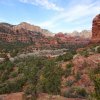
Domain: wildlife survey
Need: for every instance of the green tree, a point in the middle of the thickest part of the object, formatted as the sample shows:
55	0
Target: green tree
52	78
95	77
32	71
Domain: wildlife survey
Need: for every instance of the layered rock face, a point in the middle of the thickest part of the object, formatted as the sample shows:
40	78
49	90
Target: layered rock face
96	29
37	37
29	27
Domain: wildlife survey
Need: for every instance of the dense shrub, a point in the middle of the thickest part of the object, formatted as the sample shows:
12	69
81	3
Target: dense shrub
69	83
13	74
84	53
68	69
12	86
42	75
98	49
80	92
4	76
66	57
68	93
76	92
5	69
51	78
95	77
78	76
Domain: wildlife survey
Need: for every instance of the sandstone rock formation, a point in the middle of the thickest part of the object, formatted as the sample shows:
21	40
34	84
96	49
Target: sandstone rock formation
96	29
30	27
12	96
82	34
41	38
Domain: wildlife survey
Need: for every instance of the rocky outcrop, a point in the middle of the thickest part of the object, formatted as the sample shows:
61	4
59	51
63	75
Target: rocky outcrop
12	96
33	28
27	26
82	34
96	29
42	96
22	32
79	76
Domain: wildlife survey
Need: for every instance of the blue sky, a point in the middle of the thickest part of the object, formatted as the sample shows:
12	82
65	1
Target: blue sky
54	15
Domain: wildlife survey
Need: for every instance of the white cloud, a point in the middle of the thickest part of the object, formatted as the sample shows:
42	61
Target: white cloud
44	3
76	13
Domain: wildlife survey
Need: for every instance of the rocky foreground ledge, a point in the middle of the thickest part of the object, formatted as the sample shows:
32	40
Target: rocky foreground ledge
42	96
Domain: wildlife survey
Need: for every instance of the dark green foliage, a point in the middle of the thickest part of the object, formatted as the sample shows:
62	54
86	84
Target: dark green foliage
13	48
98	49
13	74
4	76
84	53
69	83
76	92
52	78
31	90
42	75
78	76
2	55
95	77
70	65
12	86
31	67
5	68
14	53
81	92
32	75
8	85
66	57
68	69
9	65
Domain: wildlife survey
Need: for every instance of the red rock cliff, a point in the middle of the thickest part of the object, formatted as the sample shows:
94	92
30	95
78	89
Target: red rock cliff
96	29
